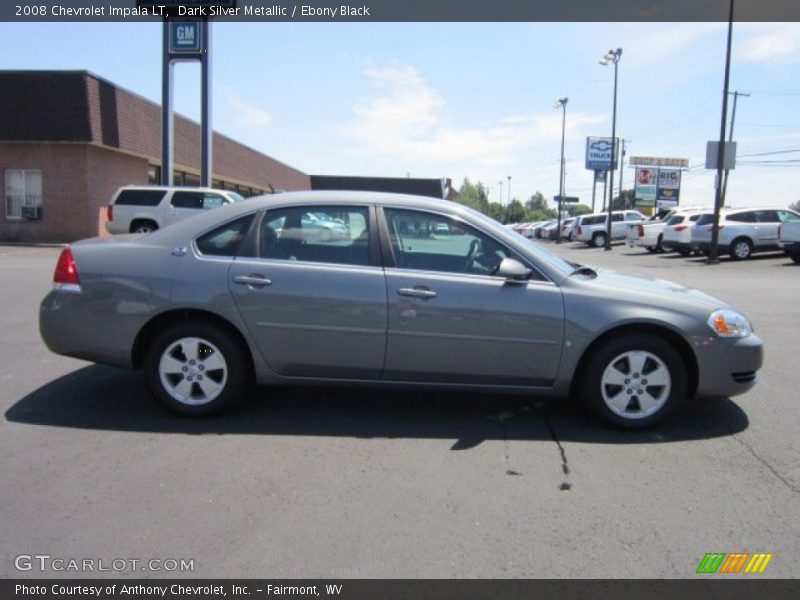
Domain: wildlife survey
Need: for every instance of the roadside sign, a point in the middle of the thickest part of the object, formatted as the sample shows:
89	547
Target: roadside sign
669	179
728	158
658	161
645	188
185	37
567	199
599	153
600	176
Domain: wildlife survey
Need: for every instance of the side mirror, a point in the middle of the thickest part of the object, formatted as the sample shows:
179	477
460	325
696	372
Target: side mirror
513	270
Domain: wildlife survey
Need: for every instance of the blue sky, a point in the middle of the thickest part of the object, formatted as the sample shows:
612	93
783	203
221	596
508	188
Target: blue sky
471	99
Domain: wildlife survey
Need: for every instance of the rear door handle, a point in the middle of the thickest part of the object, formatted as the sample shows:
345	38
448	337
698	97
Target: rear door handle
417	292
254	280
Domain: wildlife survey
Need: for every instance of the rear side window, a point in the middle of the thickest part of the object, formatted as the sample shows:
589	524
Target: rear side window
140	197
745	217
225	240
196	200
705	219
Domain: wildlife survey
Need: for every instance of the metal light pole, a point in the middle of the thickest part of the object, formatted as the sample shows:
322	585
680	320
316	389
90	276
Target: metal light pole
500	183
509	189
562	104
621	171
612	56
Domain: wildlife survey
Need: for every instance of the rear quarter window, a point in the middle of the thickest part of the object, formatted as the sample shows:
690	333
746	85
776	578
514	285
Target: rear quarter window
139	197
677	219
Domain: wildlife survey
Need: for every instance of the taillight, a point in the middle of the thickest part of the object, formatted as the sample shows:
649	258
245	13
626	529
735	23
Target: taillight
110	212
66	271
641	231
680	227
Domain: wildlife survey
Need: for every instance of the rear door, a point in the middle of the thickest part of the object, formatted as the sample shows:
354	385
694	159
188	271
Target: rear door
315	304
451	320
767	228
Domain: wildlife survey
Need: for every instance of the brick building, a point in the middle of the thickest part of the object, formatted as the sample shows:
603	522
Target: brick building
69	139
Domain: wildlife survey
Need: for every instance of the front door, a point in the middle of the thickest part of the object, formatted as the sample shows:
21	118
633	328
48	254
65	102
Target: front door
452	320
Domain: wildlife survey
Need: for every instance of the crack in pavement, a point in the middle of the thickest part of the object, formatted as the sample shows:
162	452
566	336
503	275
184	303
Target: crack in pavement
565	485
763	461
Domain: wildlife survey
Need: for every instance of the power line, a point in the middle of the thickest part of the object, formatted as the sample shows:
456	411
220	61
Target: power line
770	153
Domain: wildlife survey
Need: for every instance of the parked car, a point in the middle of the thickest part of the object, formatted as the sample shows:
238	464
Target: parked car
742	231
539	230
568	228
528	230
677	236
649	234
142	209
789	239
591	229
243	294
549	231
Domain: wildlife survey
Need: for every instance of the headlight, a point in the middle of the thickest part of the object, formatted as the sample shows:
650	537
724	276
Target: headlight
729	323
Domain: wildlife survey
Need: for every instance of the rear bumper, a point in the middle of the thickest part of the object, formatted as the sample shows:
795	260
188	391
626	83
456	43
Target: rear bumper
727	367
115	227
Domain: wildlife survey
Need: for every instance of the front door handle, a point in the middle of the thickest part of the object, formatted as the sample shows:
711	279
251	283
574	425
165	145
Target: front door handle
254	280
417	292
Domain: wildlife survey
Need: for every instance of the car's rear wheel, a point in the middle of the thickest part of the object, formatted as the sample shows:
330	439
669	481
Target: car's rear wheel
143	226
794	253
599	239
684	252
196	369
634	381
741	249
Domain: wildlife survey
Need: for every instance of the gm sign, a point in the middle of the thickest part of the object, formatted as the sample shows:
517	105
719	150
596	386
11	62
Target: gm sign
601	154
184	37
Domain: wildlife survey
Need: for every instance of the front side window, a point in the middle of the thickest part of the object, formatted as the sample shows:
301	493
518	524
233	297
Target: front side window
23	194
431	242
633	217
766	216
787	216
327	234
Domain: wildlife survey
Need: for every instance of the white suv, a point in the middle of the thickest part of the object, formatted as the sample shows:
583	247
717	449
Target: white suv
742	231
142	209
591	229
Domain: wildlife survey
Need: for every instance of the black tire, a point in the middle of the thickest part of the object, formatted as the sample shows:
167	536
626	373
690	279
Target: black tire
143	226
794	254
659	248
741	249
213	339
599	239
685	252
591	386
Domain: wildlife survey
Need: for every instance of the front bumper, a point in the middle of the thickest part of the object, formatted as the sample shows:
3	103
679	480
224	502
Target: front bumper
727	367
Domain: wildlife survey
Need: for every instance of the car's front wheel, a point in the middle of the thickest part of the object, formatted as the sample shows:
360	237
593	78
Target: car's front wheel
741	249
634	381
196	369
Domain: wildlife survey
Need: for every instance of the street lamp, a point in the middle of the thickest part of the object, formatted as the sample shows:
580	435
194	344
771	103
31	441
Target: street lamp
612	56
500	183
509	189
562	104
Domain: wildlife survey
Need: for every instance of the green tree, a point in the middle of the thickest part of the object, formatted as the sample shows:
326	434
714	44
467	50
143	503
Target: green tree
473	195
536	202
497	212
577	210
515	212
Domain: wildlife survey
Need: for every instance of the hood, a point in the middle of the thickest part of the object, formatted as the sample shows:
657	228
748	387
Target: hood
653	291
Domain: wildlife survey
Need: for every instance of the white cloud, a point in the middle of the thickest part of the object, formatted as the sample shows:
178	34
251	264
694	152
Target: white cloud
404	122
770	43
244	114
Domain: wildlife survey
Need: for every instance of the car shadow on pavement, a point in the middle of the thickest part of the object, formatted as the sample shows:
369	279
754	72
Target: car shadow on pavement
106	398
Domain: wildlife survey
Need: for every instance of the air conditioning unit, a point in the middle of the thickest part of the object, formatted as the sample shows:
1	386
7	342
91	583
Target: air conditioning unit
32	213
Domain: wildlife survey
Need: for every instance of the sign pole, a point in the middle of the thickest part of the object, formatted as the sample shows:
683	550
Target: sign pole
167	122
207	133
594	189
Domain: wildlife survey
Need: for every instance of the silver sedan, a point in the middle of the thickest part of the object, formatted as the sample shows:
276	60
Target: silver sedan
252	293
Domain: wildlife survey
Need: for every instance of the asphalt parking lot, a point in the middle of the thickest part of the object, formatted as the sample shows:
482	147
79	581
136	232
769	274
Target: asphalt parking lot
313	482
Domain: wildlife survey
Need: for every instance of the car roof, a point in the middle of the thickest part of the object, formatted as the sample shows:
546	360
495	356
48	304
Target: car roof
166	188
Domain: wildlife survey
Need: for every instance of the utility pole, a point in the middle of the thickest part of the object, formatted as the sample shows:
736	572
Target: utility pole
713	253
735	95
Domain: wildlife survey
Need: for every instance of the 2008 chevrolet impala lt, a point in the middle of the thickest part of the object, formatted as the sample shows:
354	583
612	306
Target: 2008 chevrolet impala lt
386	290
